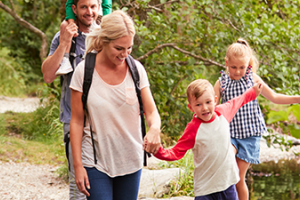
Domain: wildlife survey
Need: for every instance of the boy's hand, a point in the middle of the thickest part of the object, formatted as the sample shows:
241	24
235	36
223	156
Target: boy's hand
258	86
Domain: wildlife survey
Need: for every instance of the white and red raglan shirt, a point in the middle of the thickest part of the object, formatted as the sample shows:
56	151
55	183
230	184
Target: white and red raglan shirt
214	159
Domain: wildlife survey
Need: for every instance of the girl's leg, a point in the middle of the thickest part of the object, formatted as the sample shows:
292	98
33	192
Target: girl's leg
101	185
127	187
241	186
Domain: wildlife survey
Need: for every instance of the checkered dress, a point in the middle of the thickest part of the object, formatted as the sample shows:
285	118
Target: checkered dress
248	121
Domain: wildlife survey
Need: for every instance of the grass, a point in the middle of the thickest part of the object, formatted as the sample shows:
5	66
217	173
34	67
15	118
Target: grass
17	149
184	185
35	138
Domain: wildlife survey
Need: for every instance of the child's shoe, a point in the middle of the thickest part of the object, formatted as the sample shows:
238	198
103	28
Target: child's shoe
65	67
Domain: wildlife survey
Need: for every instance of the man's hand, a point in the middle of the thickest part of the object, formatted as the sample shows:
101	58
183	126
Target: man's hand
70	31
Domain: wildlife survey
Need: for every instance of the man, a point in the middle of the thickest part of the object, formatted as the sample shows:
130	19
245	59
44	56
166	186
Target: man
86	13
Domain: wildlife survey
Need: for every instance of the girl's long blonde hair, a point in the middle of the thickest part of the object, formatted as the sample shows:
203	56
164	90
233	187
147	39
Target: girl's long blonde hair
241	48
113	26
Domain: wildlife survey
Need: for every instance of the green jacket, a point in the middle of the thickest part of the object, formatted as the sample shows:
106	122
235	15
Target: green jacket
106	8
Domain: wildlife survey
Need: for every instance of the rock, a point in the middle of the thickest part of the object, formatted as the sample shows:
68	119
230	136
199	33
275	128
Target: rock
19	104
155	183
274	152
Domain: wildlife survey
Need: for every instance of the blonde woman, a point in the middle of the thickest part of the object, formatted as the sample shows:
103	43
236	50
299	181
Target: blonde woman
114	115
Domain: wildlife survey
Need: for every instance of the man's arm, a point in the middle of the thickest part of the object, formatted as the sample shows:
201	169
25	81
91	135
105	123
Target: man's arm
52	62
185	142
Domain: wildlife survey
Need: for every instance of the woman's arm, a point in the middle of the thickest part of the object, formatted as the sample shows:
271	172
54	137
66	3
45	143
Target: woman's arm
76	133
274	97
152	138
217	89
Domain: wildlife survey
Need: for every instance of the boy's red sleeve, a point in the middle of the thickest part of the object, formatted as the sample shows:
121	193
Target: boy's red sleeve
230	108
185	142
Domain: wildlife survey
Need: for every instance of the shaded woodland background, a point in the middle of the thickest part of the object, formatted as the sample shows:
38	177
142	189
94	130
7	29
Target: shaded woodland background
177	41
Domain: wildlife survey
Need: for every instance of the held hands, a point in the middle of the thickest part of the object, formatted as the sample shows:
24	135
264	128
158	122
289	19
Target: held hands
258	86
151	142
82	180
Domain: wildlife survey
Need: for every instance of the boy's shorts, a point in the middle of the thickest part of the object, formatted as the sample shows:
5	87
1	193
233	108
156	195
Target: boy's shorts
247	148
228	194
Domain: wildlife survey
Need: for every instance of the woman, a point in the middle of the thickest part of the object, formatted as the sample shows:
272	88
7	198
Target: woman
114	115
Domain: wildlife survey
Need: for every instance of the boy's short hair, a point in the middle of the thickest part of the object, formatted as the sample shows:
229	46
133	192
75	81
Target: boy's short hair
197	88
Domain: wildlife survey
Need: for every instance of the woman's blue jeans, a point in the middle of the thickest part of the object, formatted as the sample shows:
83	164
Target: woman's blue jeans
104	187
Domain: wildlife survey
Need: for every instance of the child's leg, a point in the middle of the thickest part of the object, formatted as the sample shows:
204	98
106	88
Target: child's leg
241	186
63	27
65	66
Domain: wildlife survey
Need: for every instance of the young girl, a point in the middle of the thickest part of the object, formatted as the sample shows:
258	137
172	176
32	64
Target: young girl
248	124
105	8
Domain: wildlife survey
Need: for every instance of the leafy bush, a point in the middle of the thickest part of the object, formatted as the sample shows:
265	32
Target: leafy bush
284	116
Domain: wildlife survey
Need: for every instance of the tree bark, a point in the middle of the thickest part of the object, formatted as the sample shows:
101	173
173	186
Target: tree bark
30	27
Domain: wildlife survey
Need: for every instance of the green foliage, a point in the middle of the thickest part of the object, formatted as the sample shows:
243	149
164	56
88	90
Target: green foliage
200	30
24	45
281	116
205	29
40	125
2	124
11	81
184	185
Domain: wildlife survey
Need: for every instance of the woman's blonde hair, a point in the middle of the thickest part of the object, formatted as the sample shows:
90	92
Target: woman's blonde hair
241	48
113	26
197	88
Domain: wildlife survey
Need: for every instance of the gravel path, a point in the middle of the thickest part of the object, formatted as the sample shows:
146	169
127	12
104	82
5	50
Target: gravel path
22	181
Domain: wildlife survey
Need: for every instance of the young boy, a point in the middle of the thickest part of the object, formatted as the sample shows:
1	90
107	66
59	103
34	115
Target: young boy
216	171
105	8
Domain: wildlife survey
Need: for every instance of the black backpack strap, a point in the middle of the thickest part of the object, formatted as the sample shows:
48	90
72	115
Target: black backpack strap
72	54
72	57
87	81
136	79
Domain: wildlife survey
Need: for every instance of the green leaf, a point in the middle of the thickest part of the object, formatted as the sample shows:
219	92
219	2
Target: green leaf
276	116
295	131
296	111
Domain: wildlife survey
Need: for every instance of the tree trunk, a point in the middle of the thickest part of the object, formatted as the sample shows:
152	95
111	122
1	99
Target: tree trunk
30	27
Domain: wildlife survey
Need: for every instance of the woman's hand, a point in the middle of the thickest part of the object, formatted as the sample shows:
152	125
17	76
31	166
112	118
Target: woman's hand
82	180
151	142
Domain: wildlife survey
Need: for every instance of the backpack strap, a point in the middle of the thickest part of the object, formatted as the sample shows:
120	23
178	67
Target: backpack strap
72	57
87	81
72	54
136	79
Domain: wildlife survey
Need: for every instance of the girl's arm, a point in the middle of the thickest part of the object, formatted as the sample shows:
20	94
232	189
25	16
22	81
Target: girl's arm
69	11
106	6
152	138
274	97
76	132
217	89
